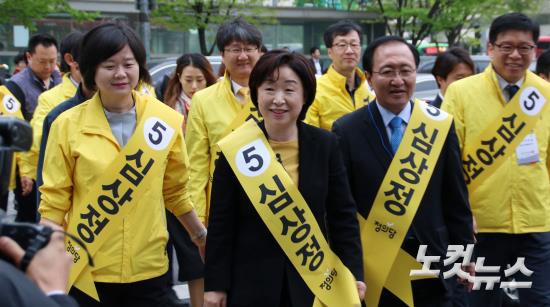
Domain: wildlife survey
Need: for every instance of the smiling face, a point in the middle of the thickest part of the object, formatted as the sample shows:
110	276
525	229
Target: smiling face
239	59
345	52
117	76
281	98
393	91
511	66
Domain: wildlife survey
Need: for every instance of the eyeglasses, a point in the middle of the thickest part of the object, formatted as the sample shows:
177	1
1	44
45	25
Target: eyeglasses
391	73
344	46
508	48
238	51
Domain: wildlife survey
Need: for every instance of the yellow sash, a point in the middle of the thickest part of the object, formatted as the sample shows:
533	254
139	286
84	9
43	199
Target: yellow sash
248	112
10	106
396	203
289	219
498	141
114	194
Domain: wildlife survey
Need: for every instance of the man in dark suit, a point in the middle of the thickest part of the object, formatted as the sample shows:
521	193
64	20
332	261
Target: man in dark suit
46	280
368	144
315	60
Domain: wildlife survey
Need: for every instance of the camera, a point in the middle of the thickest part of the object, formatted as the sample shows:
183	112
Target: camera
31	237
16	135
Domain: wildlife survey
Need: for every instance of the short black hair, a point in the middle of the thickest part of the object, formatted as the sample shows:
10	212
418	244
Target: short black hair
313	49
513	21
368	56
446	62
543	63
43	39
263	48
240	31
342	27
269	64
70	44
20	57
104	41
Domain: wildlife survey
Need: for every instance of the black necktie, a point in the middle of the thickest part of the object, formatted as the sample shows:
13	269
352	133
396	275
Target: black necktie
512	89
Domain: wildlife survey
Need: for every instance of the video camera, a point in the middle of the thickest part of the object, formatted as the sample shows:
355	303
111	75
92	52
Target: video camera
16	135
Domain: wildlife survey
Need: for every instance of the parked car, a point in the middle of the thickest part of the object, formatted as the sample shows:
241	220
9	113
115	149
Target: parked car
427	63
426	87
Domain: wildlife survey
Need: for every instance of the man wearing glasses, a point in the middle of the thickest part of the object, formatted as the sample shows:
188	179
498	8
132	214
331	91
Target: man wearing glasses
219	109
222	107
501	119
408	190
343	88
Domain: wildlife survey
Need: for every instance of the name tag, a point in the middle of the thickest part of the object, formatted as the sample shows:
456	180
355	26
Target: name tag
527	151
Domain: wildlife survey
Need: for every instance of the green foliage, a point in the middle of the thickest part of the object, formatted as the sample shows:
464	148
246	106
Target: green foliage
25	12
203	15
417	19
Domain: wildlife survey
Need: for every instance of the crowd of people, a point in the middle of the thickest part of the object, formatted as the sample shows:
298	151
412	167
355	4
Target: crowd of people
284	182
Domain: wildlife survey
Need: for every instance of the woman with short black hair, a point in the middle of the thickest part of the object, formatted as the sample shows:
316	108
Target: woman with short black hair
246	261
112	165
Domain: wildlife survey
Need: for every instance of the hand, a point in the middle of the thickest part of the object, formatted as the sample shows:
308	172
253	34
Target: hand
361	290
470	269
26	185
202	252
215	299
49	268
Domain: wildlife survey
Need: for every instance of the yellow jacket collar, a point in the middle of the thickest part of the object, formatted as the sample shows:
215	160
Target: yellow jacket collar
491	75
95	121
340	81
67	86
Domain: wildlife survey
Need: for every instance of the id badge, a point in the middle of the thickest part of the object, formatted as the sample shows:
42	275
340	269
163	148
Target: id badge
527	151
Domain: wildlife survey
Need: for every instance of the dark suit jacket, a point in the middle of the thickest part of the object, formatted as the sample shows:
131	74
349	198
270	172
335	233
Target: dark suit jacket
243	258
436	102
19	291
444	215
313	65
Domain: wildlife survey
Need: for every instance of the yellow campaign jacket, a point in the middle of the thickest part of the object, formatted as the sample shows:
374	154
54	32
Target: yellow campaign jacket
80	148
212	110
333	101
146	89
46	102
515	198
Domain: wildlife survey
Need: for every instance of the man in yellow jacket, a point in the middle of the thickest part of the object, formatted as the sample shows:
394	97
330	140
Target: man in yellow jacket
215	108
343	88
501	119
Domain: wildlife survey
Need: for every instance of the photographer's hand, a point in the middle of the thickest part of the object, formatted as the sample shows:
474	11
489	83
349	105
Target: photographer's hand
49	268
26	185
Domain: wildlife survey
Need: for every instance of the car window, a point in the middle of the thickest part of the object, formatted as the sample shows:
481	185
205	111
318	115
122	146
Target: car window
158	75
426	85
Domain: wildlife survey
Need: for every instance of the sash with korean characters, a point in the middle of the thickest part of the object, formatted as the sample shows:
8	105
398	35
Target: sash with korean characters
10	106
486	153
396	203
115	193
249	111
287	216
